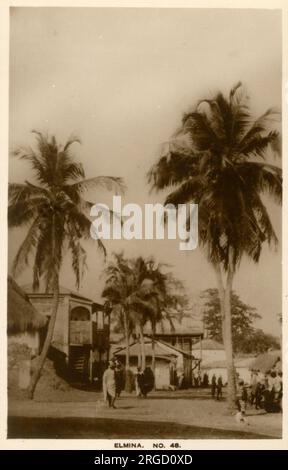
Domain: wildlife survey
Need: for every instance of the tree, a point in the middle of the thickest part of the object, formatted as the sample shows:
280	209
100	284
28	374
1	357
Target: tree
256	342
242	318
217	160
125	289
56	216
167	295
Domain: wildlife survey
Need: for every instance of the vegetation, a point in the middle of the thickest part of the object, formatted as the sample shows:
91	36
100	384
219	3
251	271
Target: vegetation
217	160
246	339
55	213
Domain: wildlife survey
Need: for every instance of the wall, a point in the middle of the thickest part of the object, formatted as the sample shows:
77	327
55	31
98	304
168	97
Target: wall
61	330
209	355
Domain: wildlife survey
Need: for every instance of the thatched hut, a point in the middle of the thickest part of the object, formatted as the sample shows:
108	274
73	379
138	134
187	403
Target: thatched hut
24	324
267	361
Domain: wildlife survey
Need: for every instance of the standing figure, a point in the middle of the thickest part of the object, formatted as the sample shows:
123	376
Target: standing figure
219	387
242	398
138	382
119	378
109	385
213	385
147	382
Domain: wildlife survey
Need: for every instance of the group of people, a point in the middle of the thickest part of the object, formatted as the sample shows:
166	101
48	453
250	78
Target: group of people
114	382
216	387
266	390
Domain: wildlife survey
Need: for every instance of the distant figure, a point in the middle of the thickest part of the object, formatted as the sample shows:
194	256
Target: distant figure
119	378
219	388
138	381
242	398
213	385
147	382
205	380
109	385
253	383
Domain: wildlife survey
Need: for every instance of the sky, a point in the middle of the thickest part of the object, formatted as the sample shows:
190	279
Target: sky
121	79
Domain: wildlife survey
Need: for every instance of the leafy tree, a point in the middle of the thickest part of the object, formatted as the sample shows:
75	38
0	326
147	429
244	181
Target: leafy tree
55	212
256	342
242	316
217	160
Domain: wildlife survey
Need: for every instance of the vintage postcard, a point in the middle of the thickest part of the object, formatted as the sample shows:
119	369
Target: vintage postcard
144	147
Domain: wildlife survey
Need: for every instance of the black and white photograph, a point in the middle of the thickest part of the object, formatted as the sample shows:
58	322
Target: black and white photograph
144	278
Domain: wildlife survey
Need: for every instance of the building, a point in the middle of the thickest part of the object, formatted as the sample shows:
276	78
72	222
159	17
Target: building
209	350
170	361
217	368
181	335
80	343
26	330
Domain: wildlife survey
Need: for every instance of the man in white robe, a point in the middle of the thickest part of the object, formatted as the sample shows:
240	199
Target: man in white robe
109	385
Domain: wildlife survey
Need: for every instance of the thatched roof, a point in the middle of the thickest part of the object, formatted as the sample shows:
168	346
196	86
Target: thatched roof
266	361
22	316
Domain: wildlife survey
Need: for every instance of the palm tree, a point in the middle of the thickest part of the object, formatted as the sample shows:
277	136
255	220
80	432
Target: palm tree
166	293
217	160
56	216
125	289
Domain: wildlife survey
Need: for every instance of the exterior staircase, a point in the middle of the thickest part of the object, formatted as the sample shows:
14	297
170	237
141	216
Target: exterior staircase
79	359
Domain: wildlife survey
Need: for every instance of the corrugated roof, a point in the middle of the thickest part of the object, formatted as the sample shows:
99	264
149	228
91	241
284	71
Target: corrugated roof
186	326
22	315
160	349
28	288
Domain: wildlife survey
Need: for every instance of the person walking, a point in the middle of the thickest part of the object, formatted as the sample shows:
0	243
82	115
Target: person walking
109	385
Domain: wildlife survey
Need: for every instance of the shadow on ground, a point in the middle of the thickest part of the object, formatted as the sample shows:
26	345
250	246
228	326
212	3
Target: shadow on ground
105	428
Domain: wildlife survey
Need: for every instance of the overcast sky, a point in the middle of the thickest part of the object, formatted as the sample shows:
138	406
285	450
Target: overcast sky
120	79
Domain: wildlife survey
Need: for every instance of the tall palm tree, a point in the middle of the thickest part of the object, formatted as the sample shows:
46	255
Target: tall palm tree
217	160
56	216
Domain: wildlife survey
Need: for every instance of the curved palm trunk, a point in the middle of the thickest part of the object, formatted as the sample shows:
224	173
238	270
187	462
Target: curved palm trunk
41	359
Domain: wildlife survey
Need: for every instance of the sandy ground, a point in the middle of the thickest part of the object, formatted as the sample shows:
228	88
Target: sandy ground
193	408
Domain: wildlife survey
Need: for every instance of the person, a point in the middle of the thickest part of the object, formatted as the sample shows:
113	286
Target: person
213	385
219	387
138	381
242	398
147	382
119	377
253	383
205	380
109	385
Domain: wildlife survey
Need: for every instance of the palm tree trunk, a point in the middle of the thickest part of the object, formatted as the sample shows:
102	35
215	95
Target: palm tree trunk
225	305
221	292
153	348
126	333
142	347
228	335
128	380
41	359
